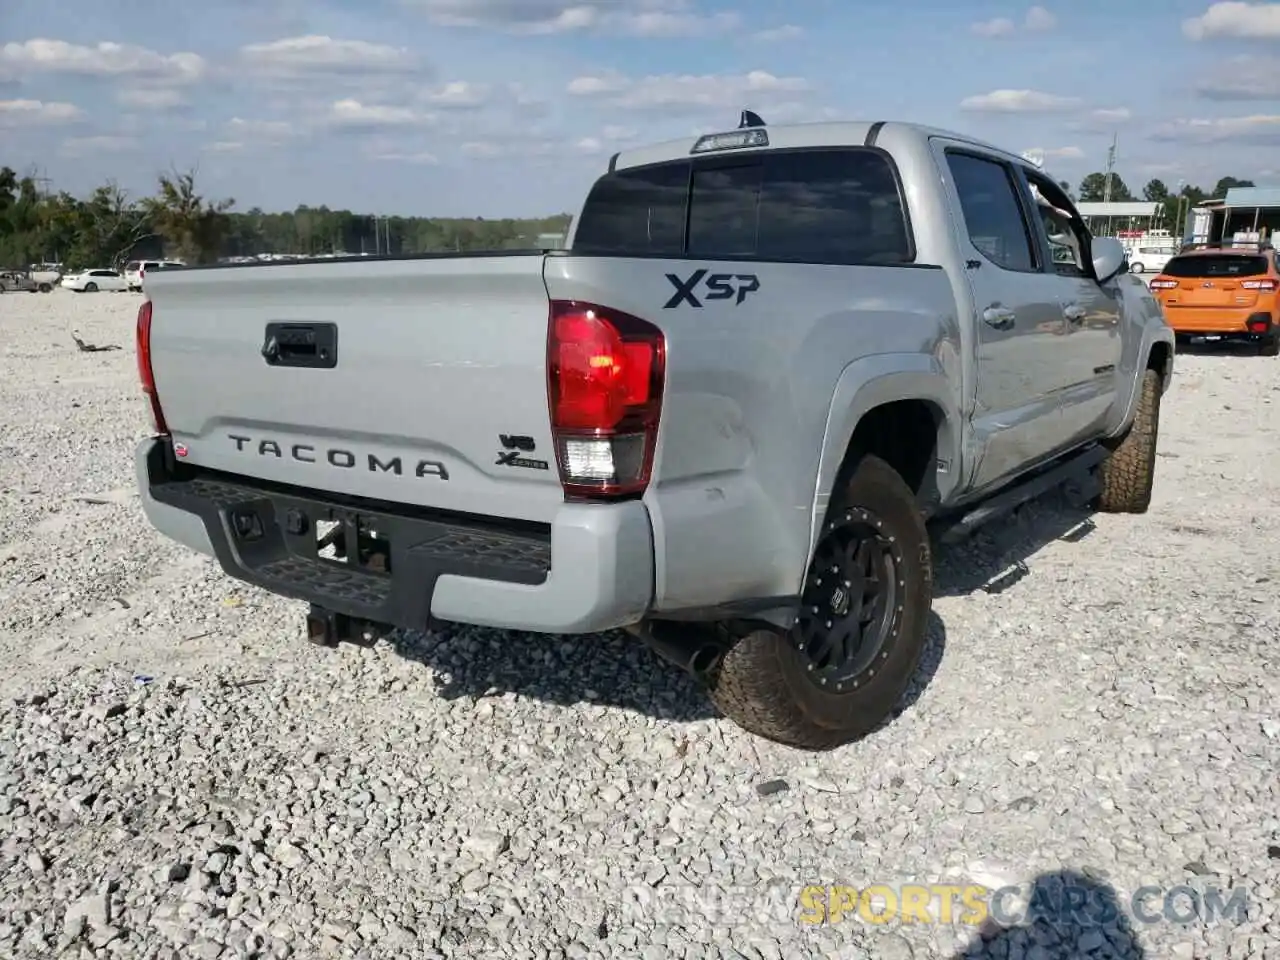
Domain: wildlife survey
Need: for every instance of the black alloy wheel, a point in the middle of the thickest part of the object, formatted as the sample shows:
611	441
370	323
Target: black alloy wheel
852	602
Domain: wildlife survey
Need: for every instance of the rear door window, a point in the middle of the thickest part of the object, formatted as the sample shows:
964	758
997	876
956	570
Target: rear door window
1216	265
840	206
636	212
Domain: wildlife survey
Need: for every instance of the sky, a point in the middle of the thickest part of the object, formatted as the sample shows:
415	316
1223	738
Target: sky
512	107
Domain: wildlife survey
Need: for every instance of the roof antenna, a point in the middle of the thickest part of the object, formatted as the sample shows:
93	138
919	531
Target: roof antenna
750	119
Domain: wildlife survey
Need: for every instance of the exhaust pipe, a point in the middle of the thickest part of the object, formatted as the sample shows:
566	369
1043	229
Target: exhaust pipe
691	647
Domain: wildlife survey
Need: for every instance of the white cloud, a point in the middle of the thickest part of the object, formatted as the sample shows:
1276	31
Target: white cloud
589	146
482	149
998	27
90	146
518	146
104	60
1040	20
225	146
260	131
1037	20
459	95
352	114
151	98
421	158
1257	21
1111	115
617	134
1055	153
37	112
1262	129
318	55
684	91
659	23
1018	101
641	18
788	31
1242	77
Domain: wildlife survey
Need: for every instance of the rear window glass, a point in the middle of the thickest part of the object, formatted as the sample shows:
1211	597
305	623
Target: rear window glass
1216	265
636	212
819	206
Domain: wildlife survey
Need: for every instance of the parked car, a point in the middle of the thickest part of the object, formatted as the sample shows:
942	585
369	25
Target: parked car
719	419
1223	293
91	281
134	270
15	281
46	275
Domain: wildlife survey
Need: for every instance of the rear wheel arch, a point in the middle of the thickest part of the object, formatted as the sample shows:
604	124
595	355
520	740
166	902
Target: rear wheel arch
1160	359
868	411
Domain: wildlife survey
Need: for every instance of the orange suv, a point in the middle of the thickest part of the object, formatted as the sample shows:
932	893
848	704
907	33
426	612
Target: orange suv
1227	292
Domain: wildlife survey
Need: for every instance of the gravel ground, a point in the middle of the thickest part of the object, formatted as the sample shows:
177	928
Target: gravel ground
181	775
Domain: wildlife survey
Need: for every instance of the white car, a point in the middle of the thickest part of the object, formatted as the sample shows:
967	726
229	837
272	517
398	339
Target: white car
136	270
91	281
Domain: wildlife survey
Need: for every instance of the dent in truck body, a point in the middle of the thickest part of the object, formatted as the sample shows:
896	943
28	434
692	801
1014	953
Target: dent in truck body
761	398
747	402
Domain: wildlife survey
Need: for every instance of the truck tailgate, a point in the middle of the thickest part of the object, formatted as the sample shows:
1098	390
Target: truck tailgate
436	394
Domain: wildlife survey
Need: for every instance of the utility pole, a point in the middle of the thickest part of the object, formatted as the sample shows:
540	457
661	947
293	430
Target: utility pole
1106	186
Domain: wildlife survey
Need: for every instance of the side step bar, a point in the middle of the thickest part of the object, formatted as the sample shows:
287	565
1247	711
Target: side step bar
1080	466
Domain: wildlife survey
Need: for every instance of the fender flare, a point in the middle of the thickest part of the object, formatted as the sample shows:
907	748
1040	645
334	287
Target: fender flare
871	382
1152	334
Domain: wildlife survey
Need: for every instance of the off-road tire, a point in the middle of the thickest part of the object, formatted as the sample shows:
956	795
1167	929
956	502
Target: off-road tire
1128	472
760	682
1270	347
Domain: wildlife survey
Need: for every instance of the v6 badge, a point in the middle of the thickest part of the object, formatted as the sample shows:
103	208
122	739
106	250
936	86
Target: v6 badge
514	446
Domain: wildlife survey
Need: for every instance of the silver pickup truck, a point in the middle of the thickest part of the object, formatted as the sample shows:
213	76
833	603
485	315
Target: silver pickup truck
726	418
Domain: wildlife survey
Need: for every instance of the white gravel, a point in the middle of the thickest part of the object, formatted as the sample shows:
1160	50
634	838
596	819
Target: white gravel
1110	715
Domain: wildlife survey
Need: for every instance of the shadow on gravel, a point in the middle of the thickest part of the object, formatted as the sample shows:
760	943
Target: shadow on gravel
610	669
994	558
1067	916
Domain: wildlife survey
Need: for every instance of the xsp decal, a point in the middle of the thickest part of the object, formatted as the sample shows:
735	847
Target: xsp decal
718	286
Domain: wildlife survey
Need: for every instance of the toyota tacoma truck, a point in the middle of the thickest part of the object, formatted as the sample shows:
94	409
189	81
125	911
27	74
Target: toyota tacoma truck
770	369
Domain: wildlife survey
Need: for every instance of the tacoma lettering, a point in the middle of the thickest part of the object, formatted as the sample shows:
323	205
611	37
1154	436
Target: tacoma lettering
337	457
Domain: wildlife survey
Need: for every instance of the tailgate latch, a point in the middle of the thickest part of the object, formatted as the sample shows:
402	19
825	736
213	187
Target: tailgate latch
301	345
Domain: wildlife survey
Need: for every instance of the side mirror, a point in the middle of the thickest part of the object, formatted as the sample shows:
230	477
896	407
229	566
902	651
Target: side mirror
1109	258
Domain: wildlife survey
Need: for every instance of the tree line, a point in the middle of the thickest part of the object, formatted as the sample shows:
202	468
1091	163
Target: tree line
1093	189
109	227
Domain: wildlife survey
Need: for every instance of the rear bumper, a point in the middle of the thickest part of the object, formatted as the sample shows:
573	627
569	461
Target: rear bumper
1195	321
442	567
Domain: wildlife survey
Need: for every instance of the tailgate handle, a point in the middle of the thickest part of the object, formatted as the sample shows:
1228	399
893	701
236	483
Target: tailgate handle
301	345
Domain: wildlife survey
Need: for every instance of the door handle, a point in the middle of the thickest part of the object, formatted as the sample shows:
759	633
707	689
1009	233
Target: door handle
1001	318
1074	312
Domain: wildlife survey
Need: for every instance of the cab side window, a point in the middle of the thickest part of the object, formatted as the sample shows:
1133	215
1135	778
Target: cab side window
993	215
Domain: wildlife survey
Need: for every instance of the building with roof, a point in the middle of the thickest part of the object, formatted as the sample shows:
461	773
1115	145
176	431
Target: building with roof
1106	219
1245	214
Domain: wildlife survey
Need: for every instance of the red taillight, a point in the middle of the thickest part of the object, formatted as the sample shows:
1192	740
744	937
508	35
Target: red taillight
605	375
1163	284
1259	326
145	372
1262	286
